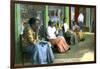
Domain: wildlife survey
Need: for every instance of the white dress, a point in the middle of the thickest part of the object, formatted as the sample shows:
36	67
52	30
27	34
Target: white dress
51	32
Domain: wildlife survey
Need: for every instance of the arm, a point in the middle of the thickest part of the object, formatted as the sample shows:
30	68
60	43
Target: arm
48	32
56	31
31	36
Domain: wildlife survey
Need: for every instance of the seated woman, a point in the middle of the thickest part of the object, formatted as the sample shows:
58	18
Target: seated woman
79	34
69	35
66	31
58	41
40	51
76	29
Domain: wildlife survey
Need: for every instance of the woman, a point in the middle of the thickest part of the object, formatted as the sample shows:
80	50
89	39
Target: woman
58	41
40	51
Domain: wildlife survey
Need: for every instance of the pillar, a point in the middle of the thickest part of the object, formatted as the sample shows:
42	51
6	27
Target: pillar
67	15
17	34
46	17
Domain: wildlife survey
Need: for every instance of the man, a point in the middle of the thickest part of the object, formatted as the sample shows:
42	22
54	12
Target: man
81	20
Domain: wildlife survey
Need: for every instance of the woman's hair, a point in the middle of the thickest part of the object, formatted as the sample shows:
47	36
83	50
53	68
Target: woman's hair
64	19
50	22
32	21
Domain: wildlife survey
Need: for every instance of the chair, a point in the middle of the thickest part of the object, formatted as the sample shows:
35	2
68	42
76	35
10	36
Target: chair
23	53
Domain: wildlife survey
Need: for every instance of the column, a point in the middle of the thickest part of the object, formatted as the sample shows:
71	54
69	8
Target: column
46	17
67	15
17	33
88	18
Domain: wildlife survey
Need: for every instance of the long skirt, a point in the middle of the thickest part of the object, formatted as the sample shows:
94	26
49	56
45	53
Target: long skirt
61	44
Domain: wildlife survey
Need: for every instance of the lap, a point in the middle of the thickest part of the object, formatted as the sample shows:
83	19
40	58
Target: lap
29	49
57	40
